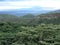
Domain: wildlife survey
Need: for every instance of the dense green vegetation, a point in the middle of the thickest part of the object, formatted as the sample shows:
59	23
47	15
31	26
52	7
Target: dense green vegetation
14	34
42	29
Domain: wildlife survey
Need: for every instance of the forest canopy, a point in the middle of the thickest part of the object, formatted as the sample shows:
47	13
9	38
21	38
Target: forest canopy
43	29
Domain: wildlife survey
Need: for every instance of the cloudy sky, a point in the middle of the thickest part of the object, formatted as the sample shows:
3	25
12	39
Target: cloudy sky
19	4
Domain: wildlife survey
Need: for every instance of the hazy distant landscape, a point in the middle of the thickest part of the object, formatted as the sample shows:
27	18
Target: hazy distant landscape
29	22
24	11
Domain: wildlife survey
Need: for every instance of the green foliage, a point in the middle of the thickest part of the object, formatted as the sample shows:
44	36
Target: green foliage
30	30
16	34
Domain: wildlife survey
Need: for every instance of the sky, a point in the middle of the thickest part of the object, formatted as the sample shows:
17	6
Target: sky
19	4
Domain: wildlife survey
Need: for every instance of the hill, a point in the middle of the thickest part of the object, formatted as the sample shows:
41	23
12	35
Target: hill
47	18
30	19
8	18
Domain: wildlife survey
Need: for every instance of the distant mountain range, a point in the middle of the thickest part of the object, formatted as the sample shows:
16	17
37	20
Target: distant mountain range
24	11
29	19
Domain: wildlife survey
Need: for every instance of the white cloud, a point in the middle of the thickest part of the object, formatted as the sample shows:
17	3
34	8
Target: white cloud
50	4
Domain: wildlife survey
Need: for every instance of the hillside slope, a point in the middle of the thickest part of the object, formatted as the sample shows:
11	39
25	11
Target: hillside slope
30	19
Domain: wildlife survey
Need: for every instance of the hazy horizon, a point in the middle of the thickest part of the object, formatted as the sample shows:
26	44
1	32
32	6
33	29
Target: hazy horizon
24	4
